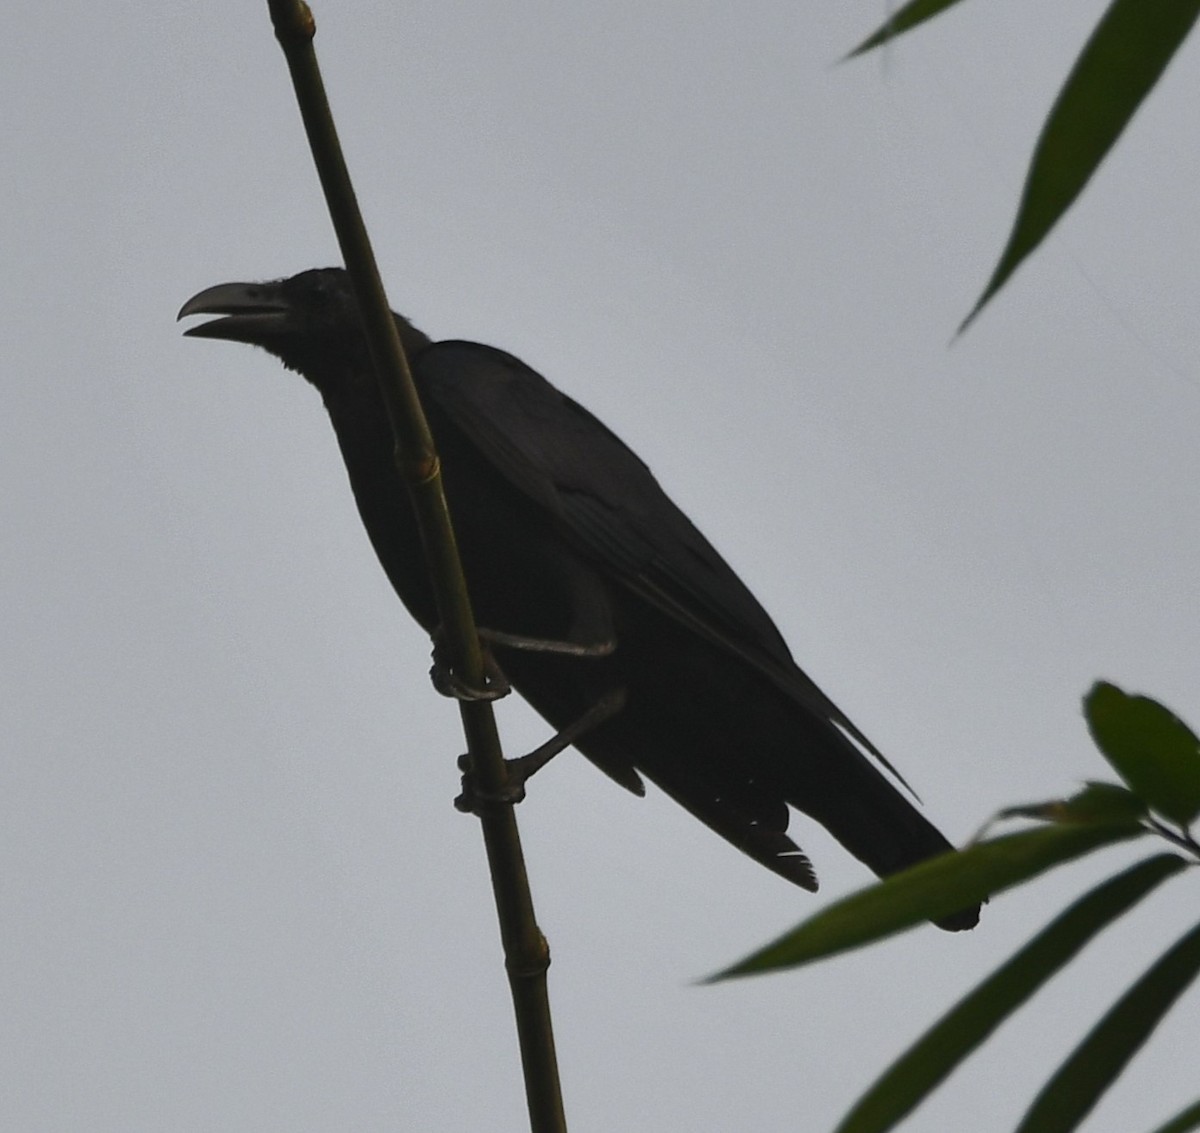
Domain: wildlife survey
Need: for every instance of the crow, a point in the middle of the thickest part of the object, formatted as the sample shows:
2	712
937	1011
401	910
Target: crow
597	598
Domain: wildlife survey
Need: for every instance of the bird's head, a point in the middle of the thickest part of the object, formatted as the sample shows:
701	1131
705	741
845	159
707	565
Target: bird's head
309	321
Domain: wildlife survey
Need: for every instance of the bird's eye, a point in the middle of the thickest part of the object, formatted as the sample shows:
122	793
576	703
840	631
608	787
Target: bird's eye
312	289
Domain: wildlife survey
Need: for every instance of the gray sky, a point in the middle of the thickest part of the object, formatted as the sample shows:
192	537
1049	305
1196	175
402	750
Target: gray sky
235	894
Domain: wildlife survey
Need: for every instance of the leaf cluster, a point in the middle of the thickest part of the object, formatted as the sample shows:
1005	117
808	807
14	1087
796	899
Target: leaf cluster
1157	757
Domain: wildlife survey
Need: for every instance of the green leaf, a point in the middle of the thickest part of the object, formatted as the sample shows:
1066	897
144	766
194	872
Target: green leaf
1102	802
1098	1061
914	13
1154	751
1119	65
931	890
1097	802
919	1070
1184	1121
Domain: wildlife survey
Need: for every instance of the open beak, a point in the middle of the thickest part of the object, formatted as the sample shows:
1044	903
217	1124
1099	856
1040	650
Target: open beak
252	312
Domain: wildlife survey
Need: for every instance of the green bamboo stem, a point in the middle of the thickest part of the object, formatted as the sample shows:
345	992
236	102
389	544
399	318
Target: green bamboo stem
526	953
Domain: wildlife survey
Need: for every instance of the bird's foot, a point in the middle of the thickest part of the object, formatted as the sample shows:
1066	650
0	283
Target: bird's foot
449	683
520	770
475	800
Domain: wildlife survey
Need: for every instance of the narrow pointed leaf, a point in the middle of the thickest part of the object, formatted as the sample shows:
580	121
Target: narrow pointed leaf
1098	1061
917	1072
1097	802
1184	1121
1102	802
1118	67
914	13
931	890
1154	751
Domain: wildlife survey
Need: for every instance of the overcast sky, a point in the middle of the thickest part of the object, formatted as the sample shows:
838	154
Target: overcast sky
234	892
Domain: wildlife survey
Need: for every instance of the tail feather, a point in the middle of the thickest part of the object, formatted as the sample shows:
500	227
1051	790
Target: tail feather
756	827
879	826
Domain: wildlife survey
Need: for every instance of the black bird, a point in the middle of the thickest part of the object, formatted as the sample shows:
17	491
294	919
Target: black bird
567	538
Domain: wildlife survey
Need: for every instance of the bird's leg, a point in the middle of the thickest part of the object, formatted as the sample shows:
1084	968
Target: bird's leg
449	683
547	645
519	770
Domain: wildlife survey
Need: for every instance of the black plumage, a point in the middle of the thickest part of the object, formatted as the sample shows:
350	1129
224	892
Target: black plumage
566	536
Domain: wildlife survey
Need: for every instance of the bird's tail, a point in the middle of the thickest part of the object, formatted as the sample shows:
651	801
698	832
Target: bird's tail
875	822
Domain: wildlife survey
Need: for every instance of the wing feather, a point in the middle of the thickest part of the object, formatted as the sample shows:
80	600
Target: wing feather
610	507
